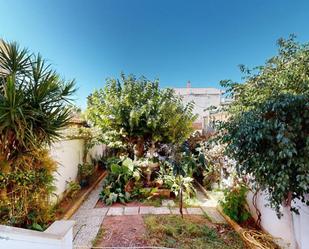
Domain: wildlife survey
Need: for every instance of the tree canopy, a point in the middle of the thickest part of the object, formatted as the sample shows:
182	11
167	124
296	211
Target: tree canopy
135	113
285	73
271	144
267	132
33	100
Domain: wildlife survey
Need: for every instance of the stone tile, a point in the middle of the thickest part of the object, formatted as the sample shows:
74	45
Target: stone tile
85	236
146	210
90	212
131	210
176	211
115	211
214	215
92	223
162	210
195	211
168	203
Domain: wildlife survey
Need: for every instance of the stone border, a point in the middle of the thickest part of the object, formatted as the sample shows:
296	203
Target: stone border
80	201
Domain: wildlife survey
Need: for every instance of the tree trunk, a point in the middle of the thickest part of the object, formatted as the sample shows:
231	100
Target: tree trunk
289	205
139	148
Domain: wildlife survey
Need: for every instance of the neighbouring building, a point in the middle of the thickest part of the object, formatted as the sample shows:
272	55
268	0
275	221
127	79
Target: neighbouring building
203	98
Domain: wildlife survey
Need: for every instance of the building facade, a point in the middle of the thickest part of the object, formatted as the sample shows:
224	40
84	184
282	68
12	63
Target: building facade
203	99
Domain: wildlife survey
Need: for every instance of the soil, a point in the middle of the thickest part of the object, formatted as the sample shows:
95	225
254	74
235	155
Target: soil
66	203
125	231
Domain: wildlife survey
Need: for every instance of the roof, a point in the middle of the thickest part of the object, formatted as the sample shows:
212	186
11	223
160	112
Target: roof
197	91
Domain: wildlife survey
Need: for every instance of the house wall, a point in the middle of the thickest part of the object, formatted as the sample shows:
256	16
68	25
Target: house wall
202	98
283	228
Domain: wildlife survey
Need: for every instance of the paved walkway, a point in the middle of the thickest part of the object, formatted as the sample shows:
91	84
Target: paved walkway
89	219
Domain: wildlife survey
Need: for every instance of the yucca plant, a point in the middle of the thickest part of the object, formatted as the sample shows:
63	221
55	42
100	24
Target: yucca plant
33	100
33	110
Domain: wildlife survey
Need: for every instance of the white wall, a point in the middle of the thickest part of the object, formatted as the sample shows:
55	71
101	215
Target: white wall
58	236
68	154
283	228
96	151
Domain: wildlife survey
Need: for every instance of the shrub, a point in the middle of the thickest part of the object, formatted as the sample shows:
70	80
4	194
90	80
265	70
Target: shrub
85	171
120	180
72	189
270	144
234	203
26	187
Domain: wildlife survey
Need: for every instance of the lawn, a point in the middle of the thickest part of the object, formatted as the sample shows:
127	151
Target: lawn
191	232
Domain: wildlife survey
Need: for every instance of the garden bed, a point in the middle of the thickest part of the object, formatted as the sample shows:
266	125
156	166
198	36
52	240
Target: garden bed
65	206
166	231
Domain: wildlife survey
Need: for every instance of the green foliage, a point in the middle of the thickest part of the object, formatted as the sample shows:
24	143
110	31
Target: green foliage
33	100
271	144
234	204
285	73
267	132
136	113
33	110
72	189
175	182
117	184
26	186
85	171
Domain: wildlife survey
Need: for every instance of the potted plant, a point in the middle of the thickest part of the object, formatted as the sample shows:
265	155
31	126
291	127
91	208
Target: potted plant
85	171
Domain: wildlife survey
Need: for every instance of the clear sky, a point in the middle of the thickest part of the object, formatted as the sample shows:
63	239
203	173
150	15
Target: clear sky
173	40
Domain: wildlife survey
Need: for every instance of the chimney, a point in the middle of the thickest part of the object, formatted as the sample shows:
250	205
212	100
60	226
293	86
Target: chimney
188	87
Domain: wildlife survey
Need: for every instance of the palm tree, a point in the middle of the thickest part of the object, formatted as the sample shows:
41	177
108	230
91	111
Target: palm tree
33	101
33	109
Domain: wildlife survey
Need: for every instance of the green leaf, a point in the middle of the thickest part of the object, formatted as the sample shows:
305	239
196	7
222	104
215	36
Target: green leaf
128	163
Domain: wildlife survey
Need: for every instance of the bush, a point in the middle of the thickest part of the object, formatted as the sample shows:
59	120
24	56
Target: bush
72	189
85	171
26	187
270	143
120	180
234	203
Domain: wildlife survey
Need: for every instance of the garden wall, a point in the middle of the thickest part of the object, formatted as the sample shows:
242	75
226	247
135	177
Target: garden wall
68	154
58	236
283	228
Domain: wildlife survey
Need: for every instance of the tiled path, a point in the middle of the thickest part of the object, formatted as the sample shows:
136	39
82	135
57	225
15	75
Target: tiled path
88	218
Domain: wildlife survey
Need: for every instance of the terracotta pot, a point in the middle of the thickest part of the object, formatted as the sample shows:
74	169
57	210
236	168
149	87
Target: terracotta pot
163	192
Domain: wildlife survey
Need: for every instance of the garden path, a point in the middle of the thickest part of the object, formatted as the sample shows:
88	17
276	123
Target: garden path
89	218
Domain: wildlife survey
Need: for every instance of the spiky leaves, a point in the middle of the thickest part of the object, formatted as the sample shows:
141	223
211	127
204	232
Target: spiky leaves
33	100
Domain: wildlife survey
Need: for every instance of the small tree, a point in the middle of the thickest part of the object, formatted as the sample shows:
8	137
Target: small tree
270	143
266	133
137	115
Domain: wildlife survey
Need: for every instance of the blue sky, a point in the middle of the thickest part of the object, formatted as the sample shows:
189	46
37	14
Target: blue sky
173	40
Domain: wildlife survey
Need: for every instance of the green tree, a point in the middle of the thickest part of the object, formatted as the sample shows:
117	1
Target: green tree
267	132
285	73
138	115
33	110
271	144
33	101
